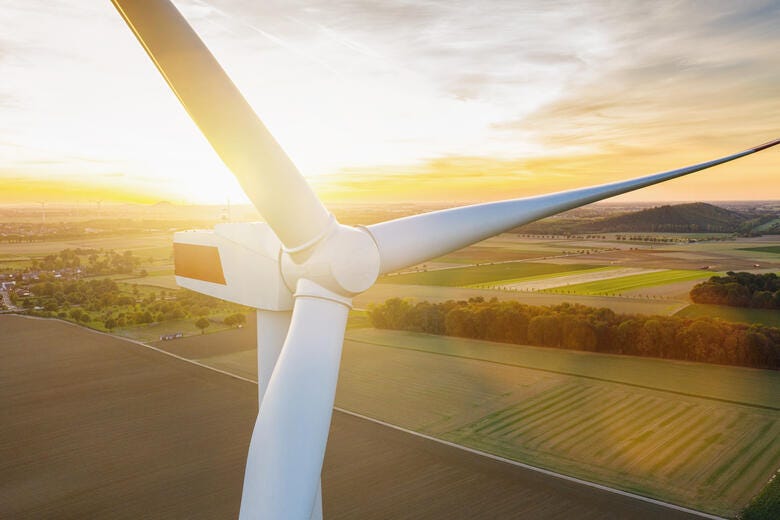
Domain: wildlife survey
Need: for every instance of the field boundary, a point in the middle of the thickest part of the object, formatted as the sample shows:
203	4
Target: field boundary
573	374
491	456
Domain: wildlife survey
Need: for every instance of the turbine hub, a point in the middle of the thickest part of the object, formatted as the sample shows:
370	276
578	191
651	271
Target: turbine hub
345	261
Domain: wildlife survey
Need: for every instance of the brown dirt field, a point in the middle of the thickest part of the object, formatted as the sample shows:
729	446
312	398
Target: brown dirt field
667	257
672	291
98	427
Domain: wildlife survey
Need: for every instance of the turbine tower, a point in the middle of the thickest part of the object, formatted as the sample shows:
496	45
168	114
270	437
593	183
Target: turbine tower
301	268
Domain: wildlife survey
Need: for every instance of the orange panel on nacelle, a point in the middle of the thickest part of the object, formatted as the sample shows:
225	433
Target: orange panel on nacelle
198	262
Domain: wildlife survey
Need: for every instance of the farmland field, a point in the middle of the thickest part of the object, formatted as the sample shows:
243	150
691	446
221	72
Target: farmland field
766	249
633	282
508	248
153	243
466	276
164	281
551	277
153	331
379	293
704	436
769	317
108	429
566	279
699	435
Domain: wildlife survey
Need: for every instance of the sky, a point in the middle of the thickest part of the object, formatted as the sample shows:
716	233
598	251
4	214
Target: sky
400	101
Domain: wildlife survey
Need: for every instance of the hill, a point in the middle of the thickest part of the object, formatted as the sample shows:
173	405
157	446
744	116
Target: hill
696	217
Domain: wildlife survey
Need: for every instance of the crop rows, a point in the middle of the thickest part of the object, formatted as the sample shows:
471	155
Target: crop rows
690	450
627	283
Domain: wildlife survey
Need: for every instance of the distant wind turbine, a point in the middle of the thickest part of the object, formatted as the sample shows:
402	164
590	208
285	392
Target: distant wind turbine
301	268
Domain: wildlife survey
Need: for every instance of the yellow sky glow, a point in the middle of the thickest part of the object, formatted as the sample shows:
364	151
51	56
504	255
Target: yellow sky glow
422	102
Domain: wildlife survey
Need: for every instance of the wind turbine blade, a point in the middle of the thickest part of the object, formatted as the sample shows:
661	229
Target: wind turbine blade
266	173
411	240
282	479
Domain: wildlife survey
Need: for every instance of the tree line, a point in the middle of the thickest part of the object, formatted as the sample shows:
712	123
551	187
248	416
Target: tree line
578	327
760	291
114	306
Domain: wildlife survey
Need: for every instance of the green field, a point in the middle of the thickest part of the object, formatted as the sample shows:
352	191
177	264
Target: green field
153	331
480	274
767	249
379	293
703	436
769	317
766	505
539	277
699	435
500	250
164	281
628	283
146	244
724	383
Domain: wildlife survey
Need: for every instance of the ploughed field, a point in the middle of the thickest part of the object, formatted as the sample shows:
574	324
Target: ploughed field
703	436
99	427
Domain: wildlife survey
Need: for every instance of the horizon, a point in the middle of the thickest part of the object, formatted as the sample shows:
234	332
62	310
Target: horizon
427	104
93	205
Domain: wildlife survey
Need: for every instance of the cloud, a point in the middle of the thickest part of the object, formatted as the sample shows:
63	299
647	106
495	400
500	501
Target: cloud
709	80
559	92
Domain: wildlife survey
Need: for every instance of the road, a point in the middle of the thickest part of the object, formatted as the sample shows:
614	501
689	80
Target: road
6	298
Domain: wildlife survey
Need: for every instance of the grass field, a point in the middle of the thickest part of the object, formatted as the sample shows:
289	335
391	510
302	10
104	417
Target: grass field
631	283
153	331
769	317
379	293
552	276
164	281
766	505
700	435
106	429
479	254
152	243
766	249
704	436
501	249
481	274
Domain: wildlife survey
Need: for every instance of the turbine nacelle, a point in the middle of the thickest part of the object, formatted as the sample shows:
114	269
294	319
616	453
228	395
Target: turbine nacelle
237	262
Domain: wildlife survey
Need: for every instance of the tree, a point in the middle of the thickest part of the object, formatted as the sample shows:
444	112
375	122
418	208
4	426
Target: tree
202	324
235	320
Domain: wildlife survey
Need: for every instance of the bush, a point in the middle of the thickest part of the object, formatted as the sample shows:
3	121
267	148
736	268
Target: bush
235	320
202	324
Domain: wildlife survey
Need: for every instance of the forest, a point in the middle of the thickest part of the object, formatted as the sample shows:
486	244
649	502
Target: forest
759	291
578	327
104	301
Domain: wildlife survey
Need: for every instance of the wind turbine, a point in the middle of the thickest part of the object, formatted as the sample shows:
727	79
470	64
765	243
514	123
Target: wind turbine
301	268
